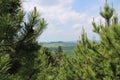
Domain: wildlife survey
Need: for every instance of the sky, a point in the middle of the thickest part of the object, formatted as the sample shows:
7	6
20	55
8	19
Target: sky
67	18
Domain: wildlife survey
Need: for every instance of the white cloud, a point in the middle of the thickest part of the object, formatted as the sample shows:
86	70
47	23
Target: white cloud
76	27
70	16
62	20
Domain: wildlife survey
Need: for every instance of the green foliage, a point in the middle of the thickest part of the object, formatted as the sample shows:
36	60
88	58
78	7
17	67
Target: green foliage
107	13
22	58
18	39
100	61
10	6
4	66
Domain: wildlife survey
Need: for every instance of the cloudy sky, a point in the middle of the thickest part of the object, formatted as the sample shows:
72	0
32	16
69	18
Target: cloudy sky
66	18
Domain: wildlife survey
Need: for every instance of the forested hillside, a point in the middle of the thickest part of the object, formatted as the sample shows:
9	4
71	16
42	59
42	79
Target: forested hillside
67	47
23	58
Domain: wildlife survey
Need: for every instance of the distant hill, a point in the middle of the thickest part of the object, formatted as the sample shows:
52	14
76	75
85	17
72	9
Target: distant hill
68	47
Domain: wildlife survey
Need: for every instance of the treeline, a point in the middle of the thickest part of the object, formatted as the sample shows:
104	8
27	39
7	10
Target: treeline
22	58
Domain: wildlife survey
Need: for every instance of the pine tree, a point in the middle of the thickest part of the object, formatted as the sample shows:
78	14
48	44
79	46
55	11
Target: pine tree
107	13
100	60
18	37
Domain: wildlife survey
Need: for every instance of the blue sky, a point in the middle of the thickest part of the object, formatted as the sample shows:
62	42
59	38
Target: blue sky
66	18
